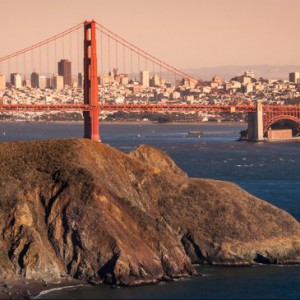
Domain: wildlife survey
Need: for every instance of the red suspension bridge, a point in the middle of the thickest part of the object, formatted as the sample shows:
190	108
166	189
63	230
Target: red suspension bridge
118	52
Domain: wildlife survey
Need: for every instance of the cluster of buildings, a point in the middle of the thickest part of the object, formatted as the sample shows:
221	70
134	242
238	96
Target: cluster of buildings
246	89
63	79
148	88
243	89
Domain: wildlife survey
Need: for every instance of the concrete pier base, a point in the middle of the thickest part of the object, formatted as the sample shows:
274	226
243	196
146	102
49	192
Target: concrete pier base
255	124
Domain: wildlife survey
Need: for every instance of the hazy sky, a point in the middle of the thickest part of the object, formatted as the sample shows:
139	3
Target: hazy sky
185	33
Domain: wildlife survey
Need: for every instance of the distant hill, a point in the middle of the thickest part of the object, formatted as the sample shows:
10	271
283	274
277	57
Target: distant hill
228	72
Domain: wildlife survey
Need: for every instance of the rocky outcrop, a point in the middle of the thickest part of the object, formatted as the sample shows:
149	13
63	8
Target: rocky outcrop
83	209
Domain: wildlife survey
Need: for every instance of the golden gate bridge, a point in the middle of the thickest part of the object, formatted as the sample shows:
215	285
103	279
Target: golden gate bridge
118	52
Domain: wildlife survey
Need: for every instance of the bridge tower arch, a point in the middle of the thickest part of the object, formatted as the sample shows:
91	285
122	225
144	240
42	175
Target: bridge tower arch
271	120
91	117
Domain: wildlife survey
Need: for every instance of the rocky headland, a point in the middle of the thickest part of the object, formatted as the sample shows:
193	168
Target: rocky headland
73	208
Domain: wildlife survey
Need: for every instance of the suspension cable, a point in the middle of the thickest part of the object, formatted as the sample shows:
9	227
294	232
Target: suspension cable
144	53
51	39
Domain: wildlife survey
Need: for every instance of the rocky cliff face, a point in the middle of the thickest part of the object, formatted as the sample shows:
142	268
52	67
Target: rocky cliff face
83	209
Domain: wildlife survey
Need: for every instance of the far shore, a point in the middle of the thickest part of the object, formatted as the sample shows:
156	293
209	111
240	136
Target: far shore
230	123
293	139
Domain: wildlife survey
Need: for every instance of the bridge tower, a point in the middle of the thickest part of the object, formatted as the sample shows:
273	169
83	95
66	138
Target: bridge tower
91	117
255	124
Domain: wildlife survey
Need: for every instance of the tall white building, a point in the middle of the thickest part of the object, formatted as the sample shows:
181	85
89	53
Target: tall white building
42	82
144	78
16	80
2	82
58	82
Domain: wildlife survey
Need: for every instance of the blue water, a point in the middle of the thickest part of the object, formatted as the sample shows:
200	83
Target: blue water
270	171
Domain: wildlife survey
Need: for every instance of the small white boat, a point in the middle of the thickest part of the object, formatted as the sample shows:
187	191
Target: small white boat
195	133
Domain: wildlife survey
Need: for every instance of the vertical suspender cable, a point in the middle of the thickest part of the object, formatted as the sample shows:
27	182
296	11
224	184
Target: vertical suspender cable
24	66
131	67
63	47
55	56
117	63
153	69
70	46
70	50
101	53
47	60
32	61
138	64
124	71
108	52
17	64
78	68
160	79
40	63
8	68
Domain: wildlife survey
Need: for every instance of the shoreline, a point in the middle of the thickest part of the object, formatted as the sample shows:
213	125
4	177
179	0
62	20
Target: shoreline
31	289
294	139
59	288
229	123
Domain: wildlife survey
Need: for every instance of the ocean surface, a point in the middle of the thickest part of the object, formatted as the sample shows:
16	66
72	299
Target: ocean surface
270	171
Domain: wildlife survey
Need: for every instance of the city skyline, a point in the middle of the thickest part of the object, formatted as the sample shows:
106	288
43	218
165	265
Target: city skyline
66	77
203	34
61	79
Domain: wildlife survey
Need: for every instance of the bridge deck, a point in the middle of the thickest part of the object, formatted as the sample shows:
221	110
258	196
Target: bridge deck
126	107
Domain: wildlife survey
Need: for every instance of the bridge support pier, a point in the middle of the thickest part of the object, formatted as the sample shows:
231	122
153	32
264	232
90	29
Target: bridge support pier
255	124
91	124
91	117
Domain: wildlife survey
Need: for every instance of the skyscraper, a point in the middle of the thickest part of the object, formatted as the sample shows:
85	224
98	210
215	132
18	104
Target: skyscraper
294	77
154	81
16	80
57	82
42	82
80	80
48	83
64	69
144	78
35	80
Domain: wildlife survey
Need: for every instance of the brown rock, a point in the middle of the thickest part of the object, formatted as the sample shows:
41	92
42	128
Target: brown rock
81	208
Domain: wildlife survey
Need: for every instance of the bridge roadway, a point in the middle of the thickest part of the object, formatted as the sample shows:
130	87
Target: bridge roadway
126	107
291	109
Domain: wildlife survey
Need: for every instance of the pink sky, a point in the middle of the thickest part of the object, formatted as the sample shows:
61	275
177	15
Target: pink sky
186	34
